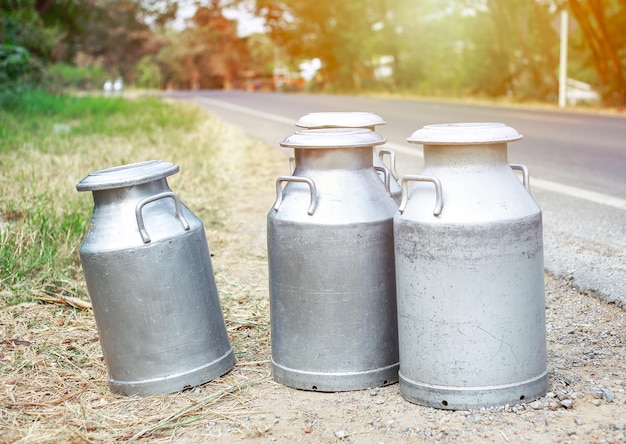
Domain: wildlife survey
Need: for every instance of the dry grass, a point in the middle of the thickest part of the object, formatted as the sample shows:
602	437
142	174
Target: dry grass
55	381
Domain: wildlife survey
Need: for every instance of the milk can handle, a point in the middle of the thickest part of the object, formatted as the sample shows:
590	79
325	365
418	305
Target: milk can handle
279	191
416	178
392	160
387	180
524	170
292	164
179	213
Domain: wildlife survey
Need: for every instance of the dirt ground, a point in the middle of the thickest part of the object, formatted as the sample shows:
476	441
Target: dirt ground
54	378
586	400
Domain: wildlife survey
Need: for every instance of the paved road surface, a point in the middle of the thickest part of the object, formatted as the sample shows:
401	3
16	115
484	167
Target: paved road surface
577	163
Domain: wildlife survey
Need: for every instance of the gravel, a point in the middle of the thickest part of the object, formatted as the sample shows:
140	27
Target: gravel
586	401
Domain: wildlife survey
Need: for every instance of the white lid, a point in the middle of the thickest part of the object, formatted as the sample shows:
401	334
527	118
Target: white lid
127	175
342	119
333	138
464	134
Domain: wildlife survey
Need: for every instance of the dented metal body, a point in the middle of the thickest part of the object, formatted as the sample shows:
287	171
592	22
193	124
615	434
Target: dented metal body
469	268
331	266
149	275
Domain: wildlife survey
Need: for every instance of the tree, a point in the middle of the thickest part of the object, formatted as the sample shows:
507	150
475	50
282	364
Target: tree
148	73
23	38
602	23
338	33
519	48
494	47
72	20
429	45
21	25
207	54
118	37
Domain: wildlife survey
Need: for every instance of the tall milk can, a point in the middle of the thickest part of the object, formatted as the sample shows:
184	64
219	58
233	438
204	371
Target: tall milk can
470	276
358	119
331	266
149	275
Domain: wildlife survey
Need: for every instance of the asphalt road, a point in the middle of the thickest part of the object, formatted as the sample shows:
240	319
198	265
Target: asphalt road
577	164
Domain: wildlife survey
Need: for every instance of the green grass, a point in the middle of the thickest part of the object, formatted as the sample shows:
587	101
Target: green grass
39	115
47	144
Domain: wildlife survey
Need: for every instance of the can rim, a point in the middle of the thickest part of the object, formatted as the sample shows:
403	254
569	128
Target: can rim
127	175
340	119
469	133
327	138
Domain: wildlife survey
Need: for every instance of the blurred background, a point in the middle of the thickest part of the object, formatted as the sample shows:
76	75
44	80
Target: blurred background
494	49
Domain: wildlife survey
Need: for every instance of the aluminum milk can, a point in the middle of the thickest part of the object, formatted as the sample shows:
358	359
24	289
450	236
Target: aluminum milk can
150	279
331	266
358	120
469	269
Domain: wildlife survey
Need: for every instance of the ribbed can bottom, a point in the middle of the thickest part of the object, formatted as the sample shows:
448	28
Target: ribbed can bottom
468	398
176	382
335	382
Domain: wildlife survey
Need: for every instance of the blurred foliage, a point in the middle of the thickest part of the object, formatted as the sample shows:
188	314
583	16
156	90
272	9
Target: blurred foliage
490	48
453	47
602	25
148	73
208	53
61	76
22	35
18	71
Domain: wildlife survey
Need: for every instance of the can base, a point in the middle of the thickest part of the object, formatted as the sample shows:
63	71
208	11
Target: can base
175	382
334	382
468	398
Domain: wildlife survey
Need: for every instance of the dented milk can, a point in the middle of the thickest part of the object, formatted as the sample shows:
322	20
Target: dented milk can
150	279
357	119
331	266
469	268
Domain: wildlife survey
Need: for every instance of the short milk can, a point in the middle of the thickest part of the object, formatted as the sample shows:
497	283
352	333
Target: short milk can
358	119
149	275
331	266
470	276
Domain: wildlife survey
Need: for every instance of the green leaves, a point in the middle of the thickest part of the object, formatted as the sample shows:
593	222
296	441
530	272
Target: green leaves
17	71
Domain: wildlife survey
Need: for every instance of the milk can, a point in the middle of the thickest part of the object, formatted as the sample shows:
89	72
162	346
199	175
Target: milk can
331	266
150	279
469	268
357	119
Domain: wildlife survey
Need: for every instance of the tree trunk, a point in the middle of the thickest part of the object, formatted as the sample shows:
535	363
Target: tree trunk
590	16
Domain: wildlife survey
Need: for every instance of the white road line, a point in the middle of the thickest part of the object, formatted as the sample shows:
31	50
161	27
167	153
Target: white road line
579	193
547	185
249	111
542	184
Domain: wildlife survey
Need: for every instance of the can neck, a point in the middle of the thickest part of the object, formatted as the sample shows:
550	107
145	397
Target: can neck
130	193
334	158
482	155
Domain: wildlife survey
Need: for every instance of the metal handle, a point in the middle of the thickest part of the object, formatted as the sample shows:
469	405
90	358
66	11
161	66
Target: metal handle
415	178
392	160
279	191
387	180
292	164
525	176
138	213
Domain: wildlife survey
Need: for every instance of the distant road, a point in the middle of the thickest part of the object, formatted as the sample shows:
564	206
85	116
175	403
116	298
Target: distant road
577	163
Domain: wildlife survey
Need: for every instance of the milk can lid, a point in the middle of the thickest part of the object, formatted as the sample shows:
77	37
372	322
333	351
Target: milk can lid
342	119
127	175
464	134
333	138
